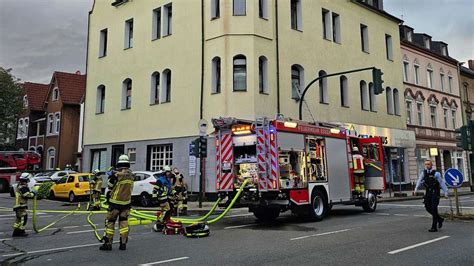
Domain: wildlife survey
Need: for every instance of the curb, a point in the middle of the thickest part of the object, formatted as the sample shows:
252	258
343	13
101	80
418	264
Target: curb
419	197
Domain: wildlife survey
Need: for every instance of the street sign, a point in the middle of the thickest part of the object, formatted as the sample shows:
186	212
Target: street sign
454	178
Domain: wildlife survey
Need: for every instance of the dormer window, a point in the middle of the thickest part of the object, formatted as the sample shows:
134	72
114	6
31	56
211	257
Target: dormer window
444	50
25	101
427	43
409	35
55	95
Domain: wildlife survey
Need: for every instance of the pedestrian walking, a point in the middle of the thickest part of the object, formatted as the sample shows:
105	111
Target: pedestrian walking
433	183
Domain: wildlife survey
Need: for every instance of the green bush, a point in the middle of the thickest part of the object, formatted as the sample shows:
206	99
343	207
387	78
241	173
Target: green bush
44	189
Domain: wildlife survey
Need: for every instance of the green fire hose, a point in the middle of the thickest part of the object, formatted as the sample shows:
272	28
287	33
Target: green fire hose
69	213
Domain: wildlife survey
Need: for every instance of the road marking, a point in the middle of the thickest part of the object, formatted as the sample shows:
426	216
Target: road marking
164	261
382	213
421	215
48	229
407	205
403	215
53	249
321	234
84	231
72	226
417	245
13	217
238	215
238	226
88	225
6	239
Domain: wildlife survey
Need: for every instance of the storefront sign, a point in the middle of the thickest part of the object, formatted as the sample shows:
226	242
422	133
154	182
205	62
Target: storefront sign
391	137
434	152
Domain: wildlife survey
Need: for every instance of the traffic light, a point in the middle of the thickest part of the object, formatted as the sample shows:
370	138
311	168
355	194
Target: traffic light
378	81
461	138
195	147
203	147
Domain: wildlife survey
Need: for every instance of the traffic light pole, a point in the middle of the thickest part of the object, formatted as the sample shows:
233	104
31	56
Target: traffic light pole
322	77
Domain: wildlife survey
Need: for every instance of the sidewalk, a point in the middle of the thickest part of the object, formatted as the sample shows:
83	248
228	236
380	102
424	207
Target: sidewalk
396	195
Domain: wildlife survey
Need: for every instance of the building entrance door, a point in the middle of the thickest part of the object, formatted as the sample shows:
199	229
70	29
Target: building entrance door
117	150
447	160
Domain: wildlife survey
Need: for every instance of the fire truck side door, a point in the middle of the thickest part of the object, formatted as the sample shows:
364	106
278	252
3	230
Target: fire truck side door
372	150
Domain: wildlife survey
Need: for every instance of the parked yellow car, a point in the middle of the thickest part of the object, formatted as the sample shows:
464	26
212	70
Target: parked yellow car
71	187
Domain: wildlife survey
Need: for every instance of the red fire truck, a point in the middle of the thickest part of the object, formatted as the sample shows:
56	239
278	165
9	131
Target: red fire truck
12	162
293	165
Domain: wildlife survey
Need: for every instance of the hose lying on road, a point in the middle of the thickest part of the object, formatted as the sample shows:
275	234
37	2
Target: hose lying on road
53	223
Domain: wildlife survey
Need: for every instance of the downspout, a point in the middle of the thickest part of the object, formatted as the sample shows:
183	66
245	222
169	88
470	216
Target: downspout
201	111
277	55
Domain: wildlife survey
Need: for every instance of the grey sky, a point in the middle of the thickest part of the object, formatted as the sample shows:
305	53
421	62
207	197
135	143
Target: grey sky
38	37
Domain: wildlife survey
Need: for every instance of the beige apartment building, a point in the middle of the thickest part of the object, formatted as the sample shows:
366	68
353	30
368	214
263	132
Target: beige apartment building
432	101
156	67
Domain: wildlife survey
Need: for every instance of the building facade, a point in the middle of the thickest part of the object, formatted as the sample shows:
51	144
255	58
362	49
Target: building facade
432	102
466	83
155	68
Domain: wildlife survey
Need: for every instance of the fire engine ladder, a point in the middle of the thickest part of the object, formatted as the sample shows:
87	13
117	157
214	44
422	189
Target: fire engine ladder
305	104
262	127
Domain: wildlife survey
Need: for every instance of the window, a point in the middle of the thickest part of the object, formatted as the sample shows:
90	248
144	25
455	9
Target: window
427	43
417	74
433	116
453	119
240	73
406	71
167	19
25	131
441	77
98	159
389	96
263	75
297	81
263	9
55	95
57	121
51	158
127	94
323	87
336	28
458	161
158	156
364	96
155	88
445	117
364	38
132	155
215	9
422	155
156	27
389	46
100	100
444	50
344	92
25	101
239	7
50	124
419	112
373	98
167	86
409	112
450	84
128	34
409	36
296	22
326	24
396	102
103	43
216	75
429	77
20	129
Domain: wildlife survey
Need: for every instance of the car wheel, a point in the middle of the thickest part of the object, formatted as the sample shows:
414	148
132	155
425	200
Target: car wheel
371	203
72	197
51	195
318	206
145	199
3	185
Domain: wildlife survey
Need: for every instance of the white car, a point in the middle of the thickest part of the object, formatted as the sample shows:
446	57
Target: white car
34	181
143	187
55	175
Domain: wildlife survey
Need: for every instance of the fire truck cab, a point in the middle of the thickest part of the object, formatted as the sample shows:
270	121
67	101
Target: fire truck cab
11	162
298	166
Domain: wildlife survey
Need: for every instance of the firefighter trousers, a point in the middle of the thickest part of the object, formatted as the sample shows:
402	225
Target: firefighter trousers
96	198
21	219
166	208
122	216
431	206
181	203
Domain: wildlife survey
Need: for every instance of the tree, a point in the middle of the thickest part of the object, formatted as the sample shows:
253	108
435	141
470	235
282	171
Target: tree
11	107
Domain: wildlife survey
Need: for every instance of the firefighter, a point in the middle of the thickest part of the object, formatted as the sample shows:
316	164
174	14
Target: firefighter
181	192
432	181
165	195
120	198
359	171
96	189
22	194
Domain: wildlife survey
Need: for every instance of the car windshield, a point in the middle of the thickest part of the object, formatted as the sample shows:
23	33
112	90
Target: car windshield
157	175
44	174
83	178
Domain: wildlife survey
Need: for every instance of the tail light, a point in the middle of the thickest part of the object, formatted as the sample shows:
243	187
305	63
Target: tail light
153	182
77	185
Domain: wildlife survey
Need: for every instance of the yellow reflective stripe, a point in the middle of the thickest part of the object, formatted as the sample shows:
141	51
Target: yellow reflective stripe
123	230
116	191
125	182
120	202
109	231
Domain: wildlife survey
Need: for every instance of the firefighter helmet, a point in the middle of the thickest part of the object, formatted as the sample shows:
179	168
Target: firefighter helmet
355	149
123	161
166	168
96	171
24	177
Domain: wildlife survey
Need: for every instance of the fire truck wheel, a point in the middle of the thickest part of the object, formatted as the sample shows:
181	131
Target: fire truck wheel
371	203
319	205
266	214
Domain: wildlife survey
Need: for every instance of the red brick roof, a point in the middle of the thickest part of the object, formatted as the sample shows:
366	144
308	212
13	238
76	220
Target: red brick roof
71	87
36	94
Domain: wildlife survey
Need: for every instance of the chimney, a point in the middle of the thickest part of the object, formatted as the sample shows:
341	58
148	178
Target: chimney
471	64
78	72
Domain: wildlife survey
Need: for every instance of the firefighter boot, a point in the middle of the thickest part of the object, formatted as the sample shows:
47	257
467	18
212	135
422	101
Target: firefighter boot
16	232
107	245
123	244
22	233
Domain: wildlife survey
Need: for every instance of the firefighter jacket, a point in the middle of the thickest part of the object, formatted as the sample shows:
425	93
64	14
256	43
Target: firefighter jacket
22	194
162	190
96	183
178	183
358	163
121	186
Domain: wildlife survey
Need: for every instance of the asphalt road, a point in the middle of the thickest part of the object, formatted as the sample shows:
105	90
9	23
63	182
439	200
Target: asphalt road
396	234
